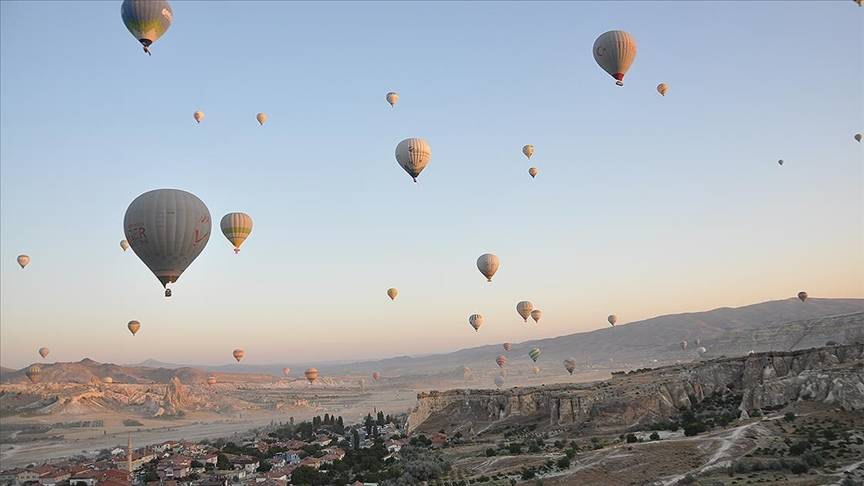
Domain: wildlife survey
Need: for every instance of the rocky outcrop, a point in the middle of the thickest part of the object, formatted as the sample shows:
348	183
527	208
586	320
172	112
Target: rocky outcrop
832	375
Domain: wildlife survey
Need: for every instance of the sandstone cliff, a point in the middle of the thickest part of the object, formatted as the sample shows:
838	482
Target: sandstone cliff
833	375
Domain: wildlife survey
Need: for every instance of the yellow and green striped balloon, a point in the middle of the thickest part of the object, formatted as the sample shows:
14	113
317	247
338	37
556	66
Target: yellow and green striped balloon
534	354
147	20
236	227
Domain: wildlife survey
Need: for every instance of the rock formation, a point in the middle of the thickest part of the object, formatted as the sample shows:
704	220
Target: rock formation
832	375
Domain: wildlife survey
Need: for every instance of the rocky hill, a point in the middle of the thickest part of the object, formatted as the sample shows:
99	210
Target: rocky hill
833	375
89	371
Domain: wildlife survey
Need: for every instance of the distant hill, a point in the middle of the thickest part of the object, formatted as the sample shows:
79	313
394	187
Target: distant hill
89	371
772	325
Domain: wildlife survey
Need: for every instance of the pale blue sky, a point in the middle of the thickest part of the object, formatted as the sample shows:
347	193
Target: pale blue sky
644	205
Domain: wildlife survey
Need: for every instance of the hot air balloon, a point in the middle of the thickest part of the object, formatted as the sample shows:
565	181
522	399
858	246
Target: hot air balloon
236	227
499	381
615	51
198	116
683	345
662	88
23	260
124	245
44	352
133	327
466	372
488	265
262	118
392	292
476	320
802	295
858	137
524	309
533	172
413	154
536	370
33	373
528	150
697	341
167	229
362	383
311	375
147	20
612	319
501	360
570	365
108	380
536	314
701	350
238	354
534	354
392	98
211	380
286	371
780	162
507	346
376	376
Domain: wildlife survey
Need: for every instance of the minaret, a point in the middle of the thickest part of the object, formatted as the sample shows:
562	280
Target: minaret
129	456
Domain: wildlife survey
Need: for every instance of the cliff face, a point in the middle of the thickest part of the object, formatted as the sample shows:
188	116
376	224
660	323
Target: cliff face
833	375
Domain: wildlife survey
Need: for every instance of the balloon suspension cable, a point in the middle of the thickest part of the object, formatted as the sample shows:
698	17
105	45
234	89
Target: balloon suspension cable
415	180
147	50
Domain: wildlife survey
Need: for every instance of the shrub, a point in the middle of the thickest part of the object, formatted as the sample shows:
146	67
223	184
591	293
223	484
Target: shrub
563	463
694	428
654	436
799	448
631	438
789	417
490	452
798	468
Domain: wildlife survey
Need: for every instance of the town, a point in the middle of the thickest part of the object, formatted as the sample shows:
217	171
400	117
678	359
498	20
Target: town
321	452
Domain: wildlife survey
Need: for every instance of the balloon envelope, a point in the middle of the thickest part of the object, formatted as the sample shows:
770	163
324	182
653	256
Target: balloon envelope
376	376
286	371
124	245
475	320
199	116
501	360
534	354
33	373
570	365
536	314
615	51
507	346
133	327
858	137
236	227
662	88
23	260
262	118
392	292
488	265
167	229
533	172
524	309
211	380
146	20
44	352
311	374
528	150
612	319
499	381
413	154
802	295
393	98
238	354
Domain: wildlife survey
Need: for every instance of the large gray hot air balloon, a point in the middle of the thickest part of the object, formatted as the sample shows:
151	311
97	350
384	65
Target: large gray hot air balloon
413	154
488	265
167	229
615	51
147	20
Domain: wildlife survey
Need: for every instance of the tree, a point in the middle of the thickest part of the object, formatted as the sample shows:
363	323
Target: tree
368	425
381	418
340	425
196	464
264	466
222	462
355	438
326	419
